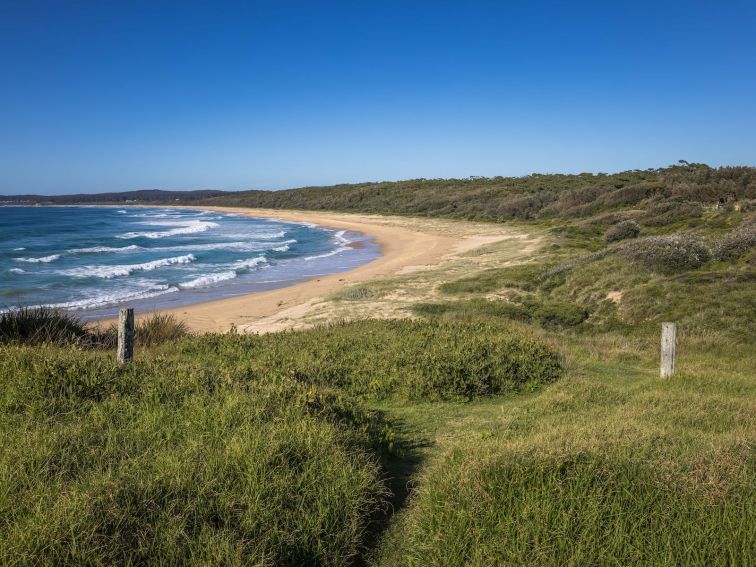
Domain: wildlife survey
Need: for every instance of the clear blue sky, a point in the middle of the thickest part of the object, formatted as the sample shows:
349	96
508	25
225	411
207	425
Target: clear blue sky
105	95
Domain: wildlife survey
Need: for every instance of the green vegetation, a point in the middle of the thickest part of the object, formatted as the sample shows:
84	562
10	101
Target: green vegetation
522	276
37	326
603	468
669	254
44	325
227	448
172	461
654	197
622	230
520	420
395	359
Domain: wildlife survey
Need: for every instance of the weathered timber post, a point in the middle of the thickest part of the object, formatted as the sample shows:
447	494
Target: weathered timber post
668	343
125	335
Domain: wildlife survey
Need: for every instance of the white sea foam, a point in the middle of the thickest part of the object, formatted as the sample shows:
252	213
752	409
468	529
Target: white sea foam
19	249
343	242
258	235
104	249
243	265
339	237
252	246
237	268
181	227
43	260
105	298
108	272
17	271
210	279
338	250
284	248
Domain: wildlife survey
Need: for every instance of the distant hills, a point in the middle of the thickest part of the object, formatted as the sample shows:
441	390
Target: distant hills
141	196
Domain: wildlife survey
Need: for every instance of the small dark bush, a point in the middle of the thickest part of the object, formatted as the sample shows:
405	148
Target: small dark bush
622	230
737	243
40	325
668	254
555	314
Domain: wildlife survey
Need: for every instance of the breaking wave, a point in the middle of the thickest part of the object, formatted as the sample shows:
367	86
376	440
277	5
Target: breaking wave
43	260
108	272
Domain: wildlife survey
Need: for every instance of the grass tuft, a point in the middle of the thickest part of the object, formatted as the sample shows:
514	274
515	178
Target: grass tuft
39	325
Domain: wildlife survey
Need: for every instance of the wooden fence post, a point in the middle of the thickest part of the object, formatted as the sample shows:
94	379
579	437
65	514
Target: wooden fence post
125	334
668	343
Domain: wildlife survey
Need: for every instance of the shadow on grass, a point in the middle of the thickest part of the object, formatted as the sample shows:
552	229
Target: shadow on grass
400	466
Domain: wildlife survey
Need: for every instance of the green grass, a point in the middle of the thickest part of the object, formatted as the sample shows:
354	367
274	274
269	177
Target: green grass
550	313
395	359
225	448
40	325
44	325
603	467
177	462
530	429
522	276
358	292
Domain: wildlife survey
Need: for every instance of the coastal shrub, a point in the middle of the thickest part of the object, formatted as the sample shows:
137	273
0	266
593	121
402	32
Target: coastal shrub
176	461
622	230
554	313
668	254
40	325
737	243
393	359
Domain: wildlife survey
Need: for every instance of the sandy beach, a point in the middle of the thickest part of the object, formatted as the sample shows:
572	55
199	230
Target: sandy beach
406	244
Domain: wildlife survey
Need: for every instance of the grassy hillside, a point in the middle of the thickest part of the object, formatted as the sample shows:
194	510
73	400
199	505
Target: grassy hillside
519	419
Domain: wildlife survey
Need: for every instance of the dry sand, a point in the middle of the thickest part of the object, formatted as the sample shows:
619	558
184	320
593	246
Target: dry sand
407	245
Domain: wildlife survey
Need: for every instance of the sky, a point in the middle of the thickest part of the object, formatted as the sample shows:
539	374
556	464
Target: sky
114	96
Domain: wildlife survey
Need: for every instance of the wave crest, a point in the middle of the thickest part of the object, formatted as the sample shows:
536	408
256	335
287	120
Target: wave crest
42	260
108	272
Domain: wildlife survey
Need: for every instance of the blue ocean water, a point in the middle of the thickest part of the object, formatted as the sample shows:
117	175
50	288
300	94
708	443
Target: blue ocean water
95	259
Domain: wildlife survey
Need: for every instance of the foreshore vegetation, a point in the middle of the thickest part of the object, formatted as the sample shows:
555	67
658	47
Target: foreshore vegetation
516	419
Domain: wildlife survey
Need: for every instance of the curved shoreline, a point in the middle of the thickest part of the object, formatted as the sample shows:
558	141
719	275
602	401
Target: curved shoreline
400	248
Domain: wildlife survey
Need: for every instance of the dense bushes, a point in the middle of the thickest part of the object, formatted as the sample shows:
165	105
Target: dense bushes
622	230
673	192
737	243
668	254
419	360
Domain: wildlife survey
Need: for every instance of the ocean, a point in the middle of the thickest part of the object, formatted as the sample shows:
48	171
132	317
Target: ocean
93	260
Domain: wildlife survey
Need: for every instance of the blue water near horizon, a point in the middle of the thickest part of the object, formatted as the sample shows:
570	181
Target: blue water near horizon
93	260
